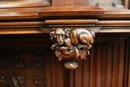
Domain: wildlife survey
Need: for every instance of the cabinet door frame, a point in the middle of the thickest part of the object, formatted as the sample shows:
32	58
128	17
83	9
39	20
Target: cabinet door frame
24	3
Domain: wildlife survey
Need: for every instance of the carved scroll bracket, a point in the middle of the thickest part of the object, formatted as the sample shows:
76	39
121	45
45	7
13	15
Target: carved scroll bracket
71	44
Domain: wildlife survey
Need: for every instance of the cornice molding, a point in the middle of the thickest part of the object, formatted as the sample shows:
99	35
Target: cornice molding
83	12
71	11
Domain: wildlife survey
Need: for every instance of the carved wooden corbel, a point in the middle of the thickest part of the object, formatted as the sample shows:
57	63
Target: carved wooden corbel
71	44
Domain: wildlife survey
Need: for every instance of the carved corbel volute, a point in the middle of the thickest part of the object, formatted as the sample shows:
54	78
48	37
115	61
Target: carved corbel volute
71	44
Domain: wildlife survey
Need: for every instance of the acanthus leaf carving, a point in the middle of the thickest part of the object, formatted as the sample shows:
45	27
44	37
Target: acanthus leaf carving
72	44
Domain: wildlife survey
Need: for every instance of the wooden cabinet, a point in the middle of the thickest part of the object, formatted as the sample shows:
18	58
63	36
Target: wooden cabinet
27	60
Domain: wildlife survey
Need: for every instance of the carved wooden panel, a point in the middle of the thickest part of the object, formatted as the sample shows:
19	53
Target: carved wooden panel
27	60
22	69
106	66
22	60
57	75
5	74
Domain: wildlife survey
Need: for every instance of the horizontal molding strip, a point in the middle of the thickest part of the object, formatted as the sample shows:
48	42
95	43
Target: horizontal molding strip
18	14
71	22
65	23
83	12
48	30
22	24
65	11
87	22
25	31
114	22
23	3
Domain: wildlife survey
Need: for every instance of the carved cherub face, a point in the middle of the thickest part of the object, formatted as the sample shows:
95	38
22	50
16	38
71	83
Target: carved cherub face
59	36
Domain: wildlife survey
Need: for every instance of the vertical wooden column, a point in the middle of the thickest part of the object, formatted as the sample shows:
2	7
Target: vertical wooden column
71	2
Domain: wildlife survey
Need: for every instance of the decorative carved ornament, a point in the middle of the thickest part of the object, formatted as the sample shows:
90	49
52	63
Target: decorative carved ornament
15	68
71	44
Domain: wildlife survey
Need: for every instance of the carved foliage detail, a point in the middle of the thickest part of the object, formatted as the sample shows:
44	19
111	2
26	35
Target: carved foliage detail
22	68
28	62
72	44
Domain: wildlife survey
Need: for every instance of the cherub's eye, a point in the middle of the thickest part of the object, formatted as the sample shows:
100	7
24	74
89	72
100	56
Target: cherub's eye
63	36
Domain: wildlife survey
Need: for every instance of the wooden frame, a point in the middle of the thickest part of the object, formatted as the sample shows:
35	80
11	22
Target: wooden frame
23	3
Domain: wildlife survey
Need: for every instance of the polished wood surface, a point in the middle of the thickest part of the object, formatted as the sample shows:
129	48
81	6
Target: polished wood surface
22	24
17	14
107	65
71	22
88	22
116	14
23	3
24	39
72	44
64	11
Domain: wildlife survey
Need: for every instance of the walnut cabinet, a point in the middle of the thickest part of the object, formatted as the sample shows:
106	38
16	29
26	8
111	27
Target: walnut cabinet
26	58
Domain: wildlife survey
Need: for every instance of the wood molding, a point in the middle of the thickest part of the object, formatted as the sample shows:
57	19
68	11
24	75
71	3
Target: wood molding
71	21
100	29
18	14
70	11
83	12
116	14
89	22
22	24
23	3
